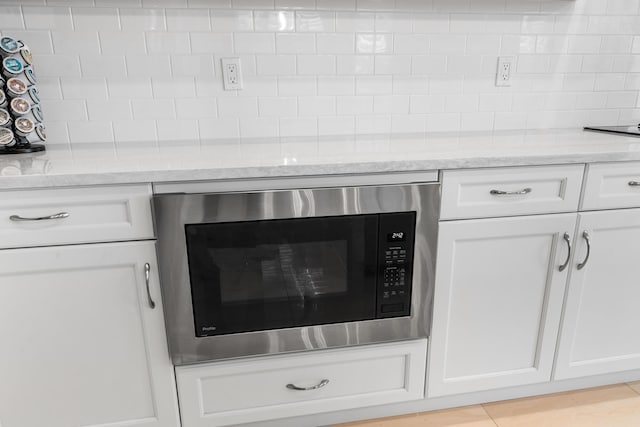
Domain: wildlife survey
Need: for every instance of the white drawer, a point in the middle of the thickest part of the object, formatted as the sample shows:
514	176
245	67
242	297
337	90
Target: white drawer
226	393
95	214
611	186
479	193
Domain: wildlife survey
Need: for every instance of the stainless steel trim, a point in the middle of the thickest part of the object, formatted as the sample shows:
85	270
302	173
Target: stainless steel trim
587	238
567	239
173	211
634	183
315	387
147	274
510	193
60	215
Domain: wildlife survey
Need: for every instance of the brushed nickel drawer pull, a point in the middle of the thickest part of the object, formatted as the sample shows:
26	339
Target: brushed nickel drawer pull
567	239
510	193
315	387
147	273
60	215
586	237
634	183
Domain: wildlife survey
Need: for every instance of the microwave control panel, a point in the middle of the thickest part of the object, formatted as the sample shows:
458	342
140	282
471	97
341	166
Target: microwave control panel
395	262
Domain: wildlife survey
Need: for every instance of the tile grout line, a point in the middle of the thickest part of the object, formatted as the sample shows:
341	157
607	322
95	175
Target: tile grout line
637	391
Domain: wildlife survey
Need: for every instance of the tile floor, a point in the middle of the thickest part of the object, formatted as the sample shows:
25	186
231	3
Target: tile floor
610	406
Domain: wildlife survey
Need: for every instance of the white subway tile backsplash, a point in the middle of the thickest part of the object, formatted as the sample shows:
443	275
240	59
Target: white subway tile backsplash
75	42
316	105
274	21
262	127
277	107
150	109
11	18
326	66
95	18
188	20
295	43
336	43
147	19
176	130
148	65
358	64
355	22
238	107
89	88
228	21
254	43
219	128
321	65
196	108
111	110
93	131
47	18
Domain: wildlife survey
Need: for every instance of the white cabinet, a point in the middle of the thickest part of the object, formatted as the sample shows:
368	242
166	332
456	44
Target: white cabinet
601	323
239	392
81	345
498	301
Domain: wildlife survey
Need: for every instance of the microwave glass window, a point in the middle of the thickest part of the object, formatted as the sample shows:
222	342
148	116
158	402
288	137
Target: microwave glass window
287	271
259	275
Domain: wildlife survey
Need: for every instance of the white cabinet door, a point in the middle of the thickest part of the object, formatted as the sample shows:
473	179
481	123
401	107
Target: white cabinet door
498	301
80	343
601	323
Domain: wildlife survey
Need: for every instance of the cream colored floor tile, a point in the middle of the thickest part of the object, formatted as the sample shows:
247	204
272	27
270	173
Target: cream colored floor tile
612	406
469	416
635	386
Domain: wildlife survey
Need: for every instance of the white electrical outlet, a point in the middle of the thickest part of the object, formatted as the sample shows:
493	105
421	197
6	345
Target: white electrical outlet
231	73
505	68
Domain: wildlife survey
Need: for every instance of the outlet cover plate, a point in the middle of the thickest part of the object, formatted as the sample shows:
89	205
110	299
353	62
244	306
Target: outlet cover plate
231	73
505	70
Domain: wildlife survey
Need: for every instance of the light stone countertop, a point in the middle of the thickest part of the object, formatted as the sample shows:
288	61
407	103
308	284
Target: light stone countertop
95	164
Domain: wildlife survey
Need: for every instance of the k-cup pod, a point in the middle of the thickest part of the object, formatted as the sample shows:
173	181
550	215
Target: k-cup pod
10	46
19	107
31	77
2	81
39	135
34	95
23	126
5	118
7	139
12	67
25	54
16	87
36	113
3	99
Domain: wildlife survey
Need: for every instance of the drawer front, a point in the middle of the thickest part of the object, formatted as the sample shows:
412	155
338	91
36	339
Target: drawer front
80	215
612	186
481	193
228	393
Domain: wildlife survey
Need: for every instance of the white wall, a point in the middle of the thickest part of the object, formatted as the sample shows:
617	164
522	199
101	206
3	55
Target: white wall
148	70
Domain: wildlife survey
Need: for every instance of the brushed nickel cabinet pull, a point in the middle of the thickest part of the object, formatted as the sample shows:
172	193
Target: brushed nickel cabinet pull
315	387
510	193
634	183
587	238
147	274
567	239
60	215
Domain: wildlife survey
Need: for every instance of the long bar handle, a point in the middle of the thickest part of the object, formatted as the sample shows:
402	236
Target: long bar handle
567	239
587	238
634	183
315	387
59	215
510	193
147	274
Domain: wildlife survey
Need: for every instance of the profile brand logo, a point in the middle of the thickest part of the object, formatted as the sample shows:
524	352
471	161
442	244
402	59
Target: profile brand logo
208	328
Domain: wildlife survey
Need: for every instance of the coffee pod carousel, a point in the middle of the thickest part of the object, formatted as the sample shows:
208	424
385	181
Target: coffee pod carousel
21	125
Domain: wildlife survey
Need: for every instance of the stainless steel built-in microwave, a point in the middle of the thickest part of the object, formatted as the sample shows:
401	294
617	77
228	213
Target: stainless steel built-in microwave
277	271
